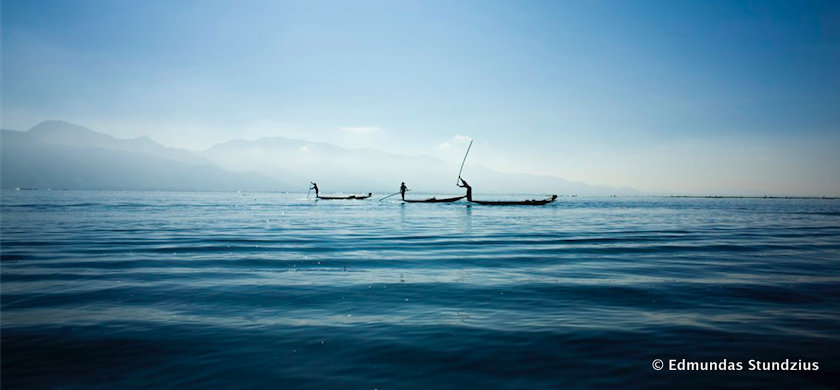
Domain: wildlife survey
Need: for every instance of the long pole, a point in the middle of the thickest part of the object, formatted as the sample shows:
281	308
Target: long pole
396	193
307	193
462	162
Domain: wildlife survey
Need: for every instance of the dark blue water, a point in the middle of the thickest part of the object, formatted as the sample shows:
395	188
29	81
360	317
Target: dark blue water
227	290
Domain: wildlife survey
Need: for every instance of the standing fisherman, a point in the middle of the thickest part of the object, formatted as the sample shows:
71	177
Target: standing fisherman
314	187
467	186
403	189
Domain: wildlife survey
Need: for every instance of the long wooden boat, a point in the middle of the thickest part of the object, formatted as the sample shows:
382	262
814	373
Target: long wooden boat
345	197
532	202
435	200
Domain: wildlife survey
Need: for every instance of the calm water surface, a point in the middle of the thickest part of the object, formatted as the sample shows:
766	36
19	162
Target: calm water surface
235	290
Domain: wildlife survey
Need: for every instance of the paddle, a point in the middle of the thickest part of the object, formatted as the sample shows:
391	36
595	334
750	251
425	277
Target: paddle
396	193
462	162
307	193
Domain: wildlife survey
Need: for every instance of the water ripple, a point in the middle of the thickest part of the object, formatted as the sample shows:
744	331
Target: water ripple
150	290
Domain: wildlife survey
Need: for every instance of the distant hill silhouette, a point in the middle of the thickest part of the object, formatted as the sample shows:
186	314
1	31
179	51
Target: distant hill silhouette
68	134
361	170
57	154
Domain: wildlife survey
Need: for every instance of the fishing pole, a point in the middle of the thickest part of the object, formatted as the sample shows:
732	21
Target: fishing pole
396	193
381	199
465	160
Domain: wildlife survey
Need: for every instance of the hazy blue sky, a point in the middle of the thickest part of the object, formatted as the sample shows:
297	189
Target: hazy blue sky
678	96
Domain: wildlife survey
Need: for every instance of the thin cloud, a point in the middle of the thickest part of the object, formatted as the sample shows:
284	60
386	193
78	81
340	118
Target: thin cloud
462	139
456	140
362	130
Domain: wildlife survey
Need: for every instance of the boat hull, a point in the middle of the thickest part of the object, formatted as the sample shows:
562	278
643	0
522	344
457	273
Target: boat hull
435	200
351	197
532	202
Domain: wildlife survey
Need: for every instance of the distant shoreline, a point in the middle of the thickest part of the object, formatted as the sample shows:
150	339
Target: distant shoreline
561	196
743	197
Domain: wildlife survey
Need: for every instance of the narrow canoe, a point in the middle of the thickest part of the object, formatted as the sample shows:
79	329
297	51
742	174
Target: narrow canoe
435	200
345	197
532	202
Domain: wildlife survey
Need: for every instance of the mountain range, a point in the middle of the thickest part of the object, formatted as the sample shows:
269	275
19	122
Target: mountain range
57	154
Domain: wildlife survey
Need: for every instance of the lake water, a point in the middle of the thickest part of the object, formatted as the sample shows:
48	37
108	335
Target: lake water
244	290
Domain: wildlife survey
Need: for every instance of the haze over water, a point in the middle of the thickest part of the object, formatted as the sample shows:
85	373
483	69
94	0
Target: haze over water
242	290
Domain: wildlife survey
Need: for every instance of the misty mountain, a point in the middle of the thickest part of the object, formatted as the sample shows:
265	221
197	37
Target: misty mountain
56	154
337	169
333	167
68	134
61	155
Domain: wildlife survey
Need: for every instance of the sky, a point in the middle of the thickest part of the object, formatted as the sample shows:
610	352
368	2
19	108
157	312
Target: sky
679	97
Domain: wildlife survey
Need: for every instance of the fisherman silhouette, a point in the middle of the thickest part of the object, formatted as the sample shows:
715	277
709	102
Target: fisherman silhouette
403	189
314	187
467	186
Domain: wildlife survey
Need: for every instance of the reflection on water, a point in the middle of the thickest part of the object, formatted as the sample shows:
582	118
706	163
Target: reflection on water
150	290
466	219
